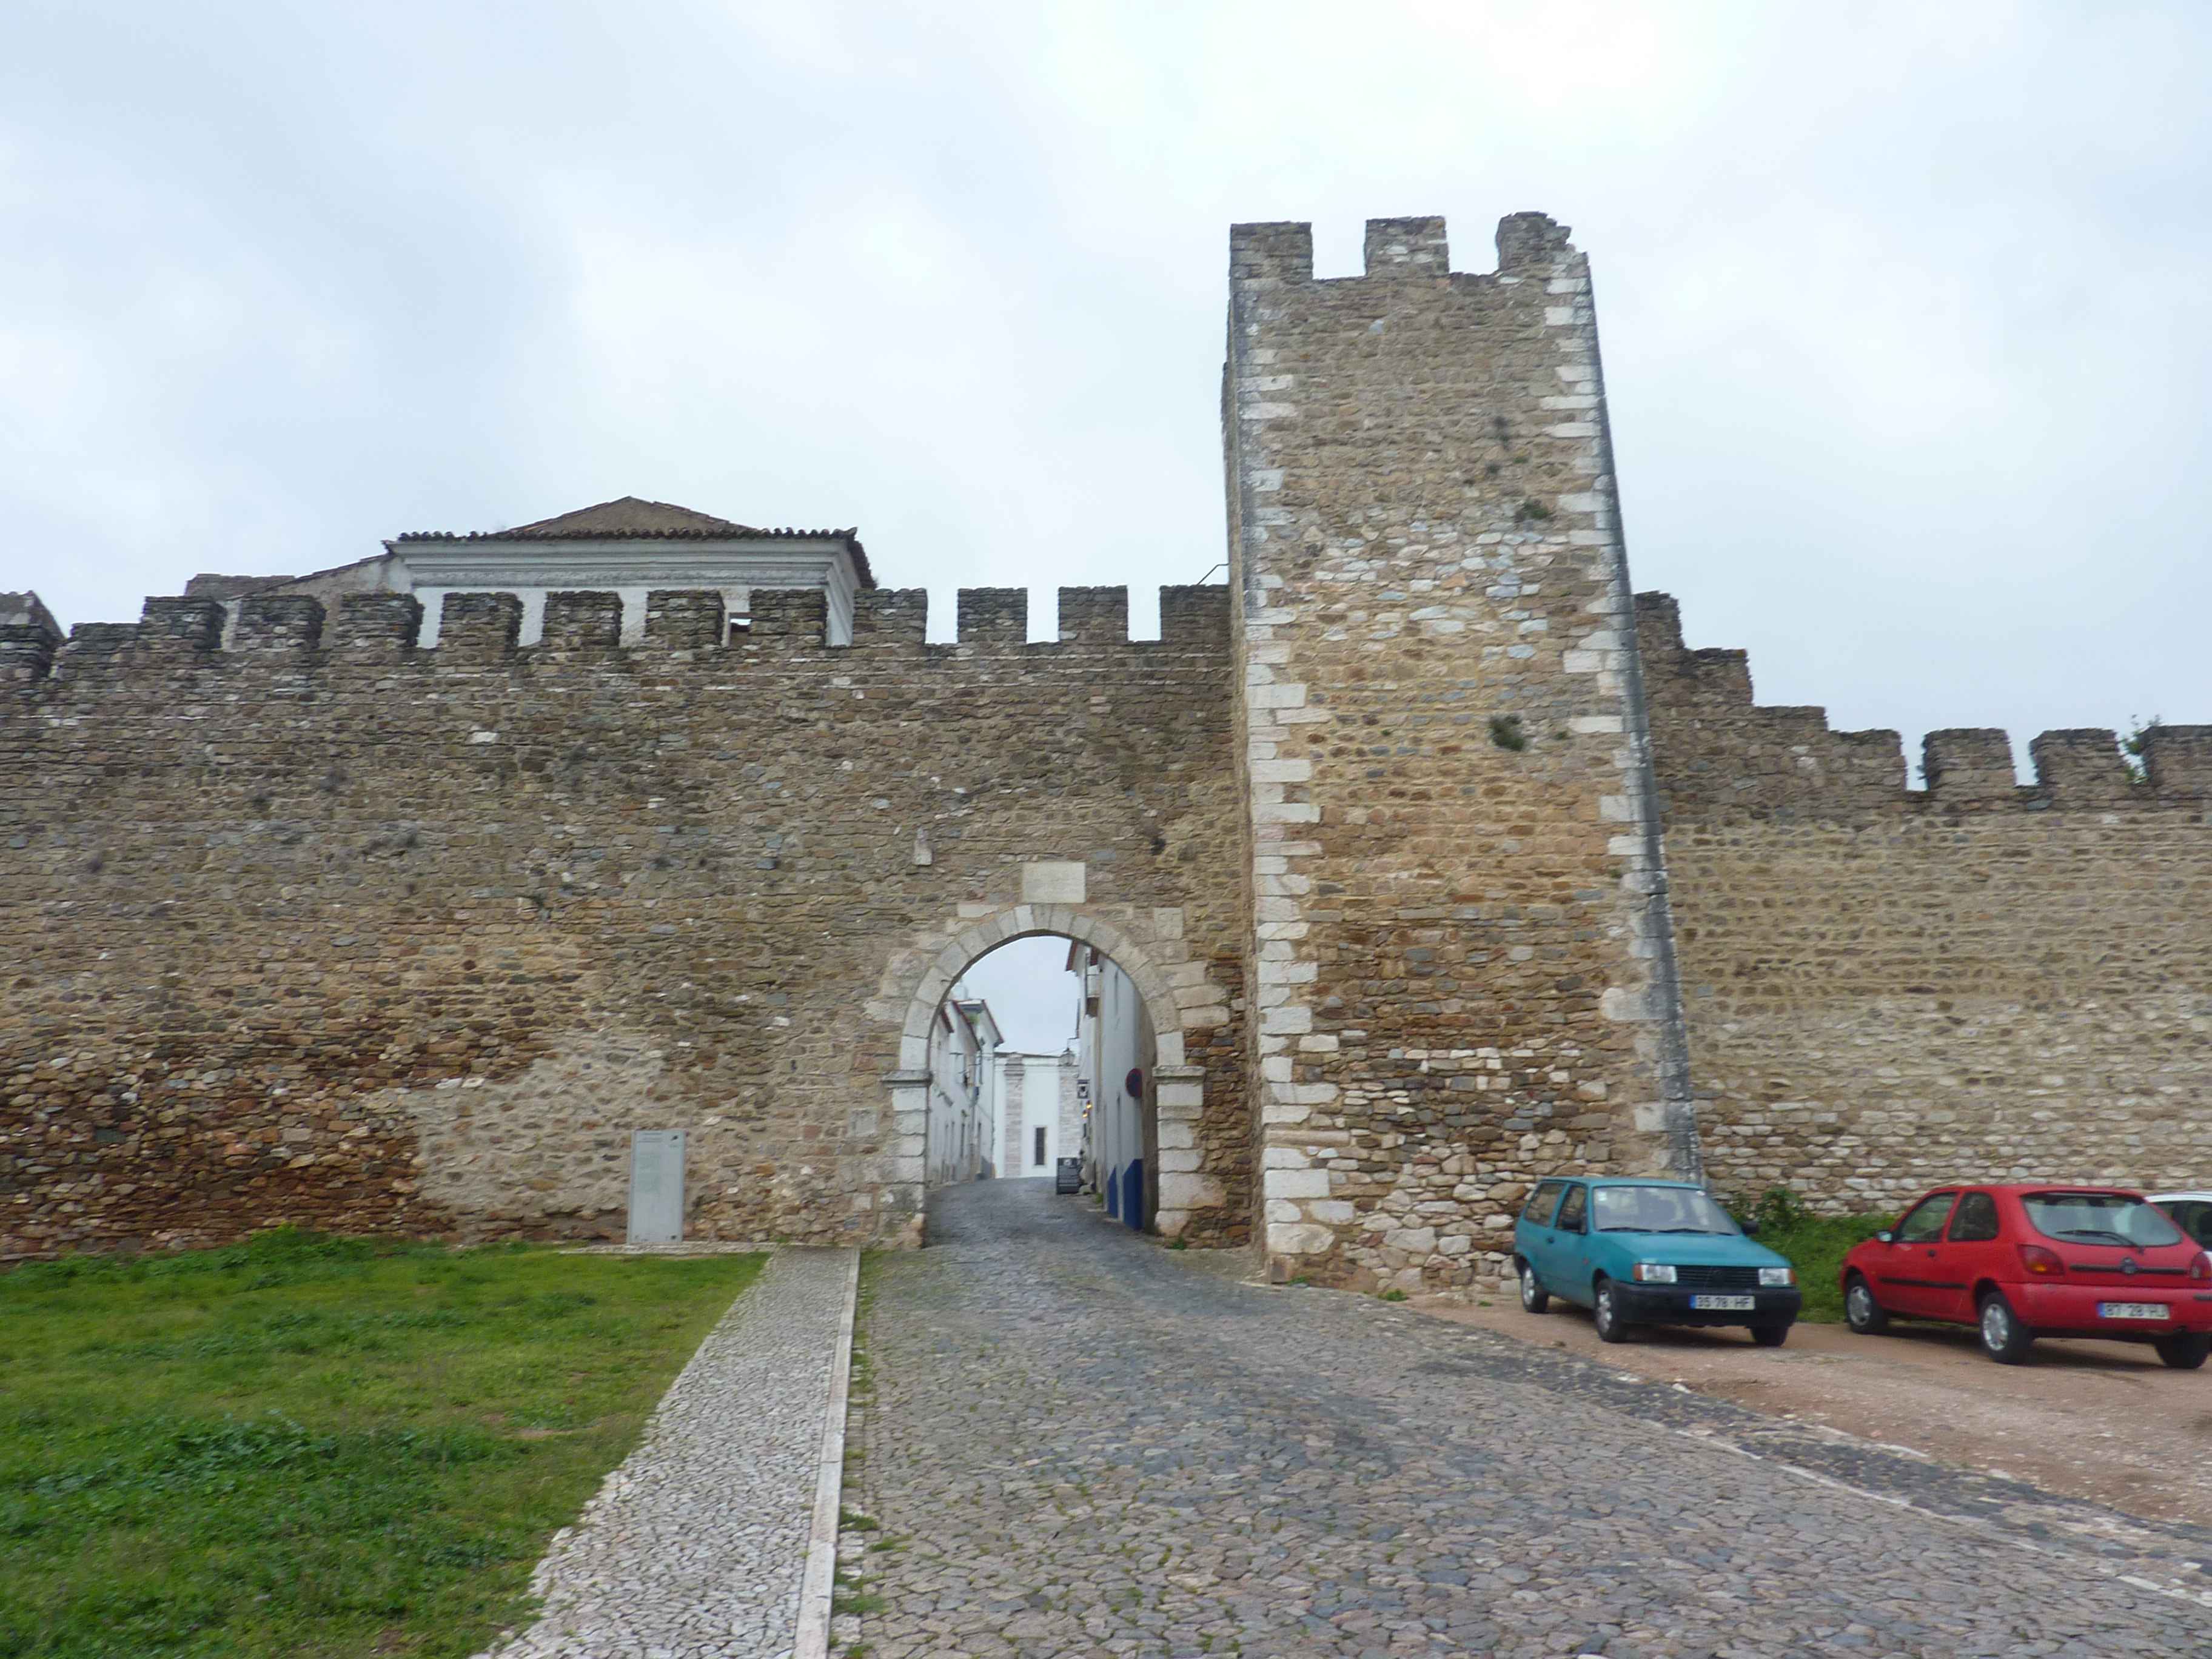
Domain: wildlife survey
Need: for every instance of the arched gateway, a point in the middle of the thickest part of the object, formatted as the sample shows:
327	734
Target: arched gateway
1177	1090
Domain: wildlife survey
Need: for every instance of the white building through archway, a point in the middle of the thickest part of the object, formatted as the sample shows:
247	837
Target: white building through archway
964	1078
1040	1112
1150	1149
1116	1057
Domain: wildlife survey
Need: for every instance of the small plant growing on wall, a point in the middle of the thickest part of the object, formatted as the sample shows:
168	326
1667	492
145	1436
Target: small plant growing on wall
1506	732
1531	511
2134	748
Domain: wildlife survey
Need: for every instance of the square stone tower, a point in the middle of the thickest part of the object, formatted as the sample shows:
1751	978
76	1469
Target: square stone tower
1461	957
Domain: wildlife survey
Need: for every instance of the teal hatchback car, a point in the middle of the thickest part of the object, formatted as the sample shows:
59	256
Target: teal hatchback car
1650	1253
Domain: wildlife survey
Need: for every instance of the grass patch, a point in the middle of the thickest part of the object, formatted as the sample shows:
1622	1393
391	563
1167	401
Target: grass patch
316	1446
1814	1245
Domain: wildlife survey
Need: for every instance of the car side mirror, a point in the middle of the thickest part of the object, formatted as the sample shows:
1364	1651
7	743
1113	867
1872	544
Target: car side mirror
1886	1236
1751	1229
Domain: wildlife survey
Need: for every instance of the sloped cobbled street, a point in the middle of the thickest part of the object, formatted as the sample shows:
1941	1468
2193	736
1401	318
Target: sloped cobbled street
1074	1442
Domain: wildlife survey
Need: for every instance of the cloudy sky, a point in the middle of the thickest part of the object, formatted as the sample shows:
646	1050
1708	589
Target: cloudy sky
1905	308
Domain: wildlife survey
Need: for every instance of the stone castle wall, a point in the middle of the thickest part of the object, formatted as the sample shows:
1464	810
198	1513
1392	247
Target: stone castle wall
310	924
1890	987
323	928
1460	952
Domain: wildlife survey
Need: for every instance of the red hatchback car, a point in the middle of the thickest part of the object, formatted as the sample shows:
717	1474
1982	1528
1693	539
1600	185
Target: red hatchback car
2023	1261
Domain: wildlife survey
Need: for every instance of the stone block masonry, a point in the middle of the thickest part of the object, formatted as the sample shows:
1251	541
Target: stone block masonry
327	928
1395	835
1889	988
1460	952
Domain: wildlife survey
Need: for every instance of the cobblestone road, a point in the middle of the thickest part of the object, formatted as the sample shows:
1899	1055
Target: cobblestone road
1079	1443
695	1546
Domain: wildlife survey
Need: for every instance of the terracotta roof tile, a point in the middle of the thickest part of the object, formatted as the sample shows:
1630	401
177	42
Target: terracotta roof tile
629	518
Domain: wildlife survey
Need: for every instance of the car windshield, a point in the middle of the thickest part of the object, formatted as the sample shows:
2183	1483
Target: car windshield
1657	1210
2107	1218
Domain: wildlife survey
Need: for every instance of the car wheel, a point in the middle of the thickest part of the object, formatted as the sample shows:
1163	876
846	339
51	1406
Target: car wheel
1861	1311
1533	1297
2004	1338
1770	1336
2185	1351
1605	1314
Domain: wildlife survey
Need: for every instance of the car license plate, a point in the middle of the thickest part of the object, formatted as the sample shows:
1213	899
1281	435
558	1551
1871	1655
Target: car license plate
1732	1303
2133	1311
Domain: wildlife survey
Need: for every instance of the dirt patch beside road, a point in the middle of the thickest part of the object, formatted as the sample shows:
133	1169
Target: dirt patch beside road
2099	1420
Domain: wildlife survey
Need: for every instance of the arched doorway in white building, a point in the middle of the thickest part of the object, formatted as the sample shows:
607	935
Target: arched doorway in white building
1102	1092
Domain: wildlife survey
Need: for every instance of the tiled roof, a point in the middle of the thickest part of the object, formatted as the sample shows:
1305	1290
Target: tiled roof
627	518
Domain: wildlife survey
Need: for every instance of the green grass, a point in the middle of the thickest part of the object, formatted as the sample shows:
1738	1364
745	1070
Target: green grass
1814	1245
316	1446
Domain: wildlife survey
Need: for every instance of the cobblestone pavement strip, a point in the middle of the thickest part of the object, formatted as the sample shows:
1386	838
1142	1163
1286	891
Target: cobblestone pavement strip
1080	1443
696	1546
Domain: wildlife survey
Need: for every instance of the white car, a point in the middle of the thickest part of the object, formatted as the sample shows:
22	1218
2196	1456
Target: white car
2192	1213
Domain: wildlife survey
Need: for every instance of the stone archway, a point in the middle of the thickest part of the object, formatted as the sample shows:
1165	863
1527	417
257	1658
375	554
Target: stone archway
1178	1091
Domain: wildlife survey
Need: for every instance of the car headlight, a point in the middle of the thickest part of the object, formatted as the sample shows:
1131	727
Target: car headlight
1776	1279
1655	1273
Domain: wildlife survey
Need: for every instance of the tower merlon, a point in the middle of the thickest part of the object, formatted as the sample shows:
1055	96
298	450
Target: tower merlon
2179	759
1968	763
888	618
1532	244
685	619
993	615
29	636
279	622
1094	615
787	622
1414	247
478	626
582	620
1195	617
381	625
181	624
2082	766
1281	251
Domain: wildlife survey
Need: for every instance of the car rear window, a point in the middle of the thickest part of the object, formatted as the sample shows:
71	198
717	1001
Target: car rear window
2106	1218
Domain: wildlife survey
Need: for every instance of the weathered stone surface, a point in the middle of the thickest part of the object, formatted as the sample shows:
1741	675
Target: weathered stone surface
1460	958
1889	988
338	931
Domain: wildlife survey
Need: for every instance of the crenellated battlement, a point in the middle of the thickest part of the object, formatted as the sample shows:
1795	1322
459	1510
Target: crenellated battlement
1720	750
279	878
1529	245
476	629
